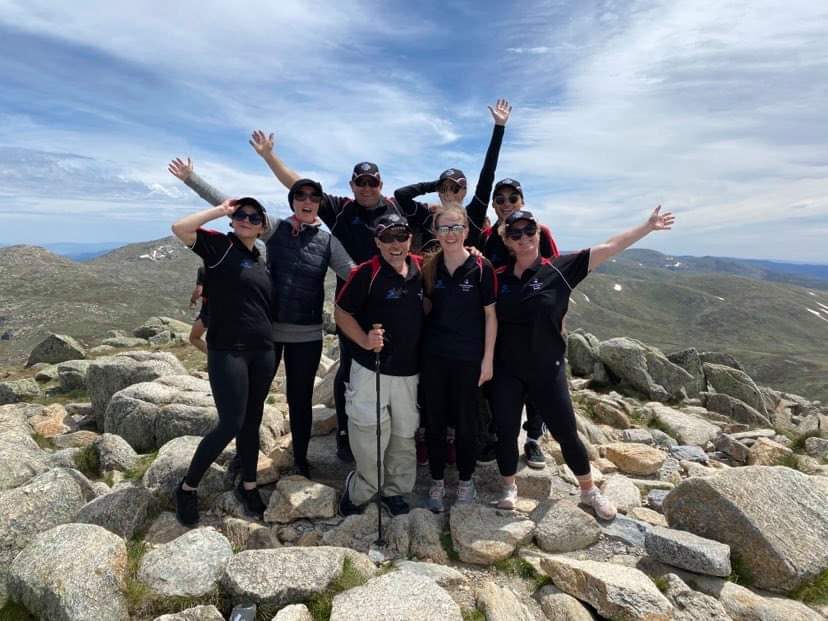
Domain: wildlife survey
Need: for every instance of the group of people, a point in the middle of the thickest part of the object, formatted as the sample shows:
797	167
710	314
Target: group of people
470	323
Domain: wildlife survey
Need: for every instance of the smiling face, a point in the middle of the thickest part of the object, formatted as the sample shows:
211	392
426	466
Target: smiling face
447	225
367	190
394	244
502	201
526	247
243	227
306	204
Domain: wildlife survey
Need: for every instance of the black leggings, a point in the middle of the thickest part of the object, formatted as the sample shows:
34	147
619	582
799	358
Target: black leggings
240	381
449	389
343	376
549	392
301	363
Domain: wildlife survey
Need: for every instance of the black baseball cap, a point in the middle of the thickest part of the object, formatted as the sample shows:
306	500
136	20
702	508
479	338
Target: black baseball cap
302	182
249	201
453	174
365	169
508	181
517	216
390	221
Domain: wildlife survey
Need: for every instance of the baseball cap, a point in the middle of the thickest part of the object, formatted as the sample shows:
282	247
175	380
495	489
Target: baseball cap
508	181
365	169
453	174
517	216
390	221
302	182
249	201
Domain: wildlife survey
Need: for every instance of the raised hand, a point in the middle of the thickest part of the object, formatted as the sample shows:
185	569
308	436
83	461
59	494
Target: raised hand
262	143
229	206
501	111
660	221
181	169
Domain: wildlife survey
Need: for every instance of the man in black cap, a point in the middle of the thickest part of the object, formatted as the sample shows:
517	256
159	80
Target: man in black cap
351	221
380	308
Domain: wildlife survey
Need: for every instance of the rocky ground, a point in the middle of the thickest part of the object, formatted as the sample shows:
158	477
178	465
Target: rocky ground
722	486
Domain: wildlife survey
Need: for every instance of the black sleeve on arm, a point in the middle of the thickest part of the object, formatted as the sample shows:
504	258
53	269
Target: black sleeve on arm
212	246
574	267
354	293
476	209
330	208
405	195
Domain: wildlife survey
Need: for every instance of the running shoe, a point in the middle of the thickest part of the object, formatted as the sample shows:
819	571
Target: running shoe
604	508
343	449
396	505
508	497
251	499
466	492
346	507
186	506
534	455
488	454
436	494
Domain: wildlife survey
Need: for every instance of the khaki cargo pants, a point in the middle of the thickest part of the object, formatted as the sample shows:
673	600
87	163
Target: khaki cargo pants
399	419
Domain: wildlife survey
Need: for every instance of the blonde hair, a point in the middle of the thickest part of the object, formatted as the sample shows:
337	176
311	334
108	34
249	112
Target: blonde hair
431	259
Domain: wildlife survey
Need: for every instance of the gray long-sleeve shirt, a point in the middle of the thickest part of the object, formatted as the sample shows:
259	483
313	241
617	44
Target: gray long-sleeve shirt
339	262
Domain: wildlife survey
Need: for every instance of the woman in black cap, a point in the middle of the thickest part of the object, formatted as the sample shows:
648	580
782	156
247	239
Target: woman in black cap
533	297
240	357
299	253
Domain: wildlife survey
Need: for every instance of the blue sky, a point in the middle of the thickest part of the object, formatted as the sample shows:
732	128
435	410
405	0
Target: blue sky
715	109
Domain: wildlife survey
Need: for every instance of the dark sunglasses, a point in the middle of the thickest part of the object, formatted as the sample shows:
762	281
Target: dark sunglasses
500	199
371	182
450	187
253	218
529	230
301	195
387	237
445	229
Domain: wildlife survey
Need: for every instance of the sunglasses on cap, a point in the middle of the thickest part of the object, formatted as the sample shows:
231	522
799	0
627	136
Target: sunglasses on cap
253	218
500	199
396	234
445	229
371	182
301	195
515	234
454	188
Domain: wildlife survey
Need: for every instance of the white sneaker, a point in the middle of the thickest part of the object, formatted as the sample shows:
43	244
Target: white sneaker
604	508
508	498
435	496
466	492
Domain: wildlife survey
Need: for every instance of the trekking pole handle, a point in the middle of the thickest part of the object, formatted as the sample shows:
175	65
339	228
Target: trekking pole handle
376	326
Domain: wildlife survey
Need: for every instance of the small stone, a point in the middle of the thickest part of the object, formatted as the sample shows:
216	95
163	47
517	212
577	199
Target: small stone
691	605
817	447
50	422
501	603
563	527
483	535
441	574
627	530
197	613
648	515
15	391
56	348
638	436
765	452
734	449
560	606
688	551
655	499
294	612
686	452
296	498
622	491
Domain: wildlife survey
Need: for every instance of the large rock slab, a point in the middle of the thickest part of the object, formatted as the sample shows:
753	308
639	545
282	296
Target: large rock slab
563	527
397	596
684	427
20	456
123	511
483	535
560	606
774	519
691	605
189	566
501	603
742	604
735	383
633	458
72	374
441	574
158	325
298	498
288	575
766	452
690	361
114	453
106	376
56	348
72	572
616	592
645	368
581	353
16	391
734	408
688	551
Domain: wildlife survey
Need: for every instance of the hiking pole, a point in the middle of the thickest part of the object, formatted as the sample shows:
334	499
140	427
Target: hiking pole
380	540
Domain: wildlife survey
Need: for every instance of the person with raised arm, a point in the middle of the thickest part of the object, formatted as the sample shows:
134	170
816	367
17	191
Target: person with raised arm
533	297
299	253
240	357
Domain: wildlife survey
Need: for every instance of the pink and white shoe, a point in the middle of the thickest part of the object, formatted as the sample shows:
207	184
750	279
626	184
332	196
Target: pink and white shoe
604	508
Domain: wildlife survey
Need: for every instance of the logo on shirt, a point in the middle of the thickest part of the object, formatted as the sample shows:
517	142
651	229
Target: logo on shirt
356	220
535	284
440	284
395	293
465	286
504	288
246	264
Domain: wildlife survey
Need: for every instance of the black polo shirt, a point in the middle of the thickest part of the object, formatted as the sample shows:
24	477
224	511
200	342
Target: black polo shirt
530	311
240	292
376	293
456	326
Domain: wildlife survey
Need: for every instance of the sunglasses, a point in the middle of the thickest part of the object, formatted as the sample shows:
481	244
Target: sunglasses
445	229
371	182
253	218
500	199
529	230
301	195
387	237
450	187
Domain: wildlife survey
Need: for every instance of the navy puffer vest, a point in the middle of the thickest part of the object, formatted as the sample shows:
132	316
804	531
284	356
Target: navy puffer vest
297	267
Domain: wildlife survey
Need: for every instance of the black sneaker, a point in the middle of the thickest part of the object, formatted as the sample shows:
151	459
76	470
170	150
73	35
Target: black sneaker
534	455
186	506
346	507
251	499
343	449
488	453
396	505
